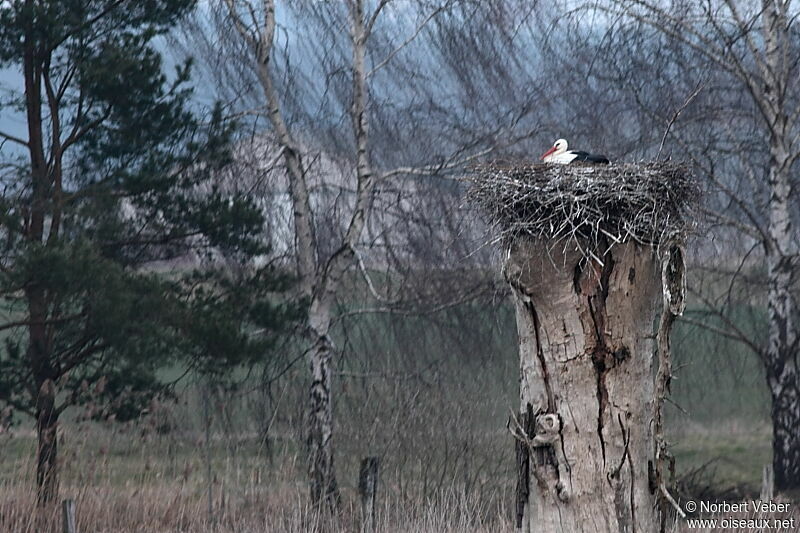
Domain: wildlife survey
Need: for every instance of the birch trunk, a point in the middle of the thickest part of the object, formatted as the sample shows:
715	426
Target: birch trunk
782	373
324	488
319	279
586	388
781	361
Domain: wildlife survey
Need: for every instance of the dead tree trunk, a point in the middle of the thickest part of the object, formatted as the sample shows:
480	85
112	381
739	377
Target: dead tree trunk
590	249
587	367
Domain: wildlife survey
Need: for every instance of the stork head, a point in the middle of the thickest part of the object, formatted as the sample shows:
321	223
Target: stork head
559	147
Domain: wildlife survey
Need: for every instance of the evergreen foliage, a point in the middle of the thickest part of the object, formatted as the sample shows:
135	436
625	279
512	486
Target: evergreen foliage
121	255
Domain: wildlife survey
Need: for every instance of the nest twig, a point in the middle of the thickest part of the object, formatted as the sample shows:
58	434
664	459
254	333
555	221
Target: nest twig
586	205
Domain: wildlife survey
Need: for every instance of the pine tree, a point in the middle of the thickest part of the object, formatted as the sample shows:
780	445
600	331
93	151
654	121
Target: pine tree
114	180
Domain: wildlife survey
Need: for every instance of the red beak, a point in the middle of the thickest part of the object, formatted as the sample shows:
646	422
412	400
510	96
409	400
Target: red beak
550	151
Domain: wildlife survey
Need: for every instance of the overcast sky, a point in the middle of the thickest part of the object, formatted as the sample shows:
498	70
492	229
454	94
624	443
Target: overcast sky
11	85
10	121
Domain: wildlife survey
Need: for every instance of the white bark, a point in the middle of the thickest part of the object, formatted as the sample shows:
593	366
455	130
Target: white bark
783	377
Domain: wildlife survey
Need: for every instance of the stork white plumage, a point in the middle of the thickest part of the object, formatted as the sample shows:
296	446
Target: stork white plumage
559	154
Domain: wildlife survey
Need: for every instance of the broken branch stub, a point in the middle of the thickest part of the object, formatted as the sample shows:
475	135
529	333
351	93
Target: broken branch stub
590	251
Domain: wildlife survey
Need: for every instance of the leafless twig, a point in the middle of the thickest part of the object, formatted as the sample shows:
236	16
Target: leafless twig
677	114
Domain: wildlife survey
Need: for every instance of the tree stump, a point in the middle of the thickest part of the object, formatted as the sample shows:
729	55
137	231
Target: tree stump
590	252
586	363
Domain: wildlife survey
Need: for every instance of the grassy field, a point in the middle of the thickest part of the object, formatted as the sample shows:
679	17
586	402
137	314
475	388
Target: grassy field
431	402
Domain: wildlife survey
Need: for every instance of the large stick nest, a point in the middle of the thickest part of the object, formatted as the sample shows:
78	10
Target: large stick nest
587	204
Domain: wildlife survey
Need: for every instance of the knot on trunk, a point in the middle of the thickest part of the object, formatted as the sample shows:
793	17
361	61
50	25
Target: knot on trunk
548	430
535	431
540	436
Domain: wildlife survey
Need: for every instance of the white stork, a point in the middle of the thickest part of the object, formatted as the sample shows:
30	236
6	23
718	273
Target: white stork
559	154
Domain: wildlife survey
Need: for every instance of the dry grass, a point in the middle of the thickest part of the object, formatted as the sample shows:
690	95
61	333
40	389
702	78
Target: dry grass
132	487
124	483
448	459
175	507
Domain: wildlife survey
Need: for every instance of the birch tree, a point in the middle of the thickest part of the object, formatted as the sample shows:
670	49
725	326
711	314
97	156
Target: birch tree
355	45
748	53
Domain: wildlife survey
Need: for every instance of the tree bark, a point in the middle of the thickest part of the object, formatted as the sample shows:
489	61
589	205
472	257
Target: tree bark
587	376
782	373
47	448
785	423
324	488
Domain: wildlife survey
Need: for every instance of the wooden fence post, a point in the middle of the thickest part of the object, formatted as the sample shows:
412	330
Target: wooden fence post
68	515
767	483
367	487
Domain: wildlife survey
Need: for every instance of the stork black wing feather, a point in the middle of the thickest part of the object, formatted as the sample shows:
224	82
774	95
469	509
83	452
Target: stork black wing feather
591	158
